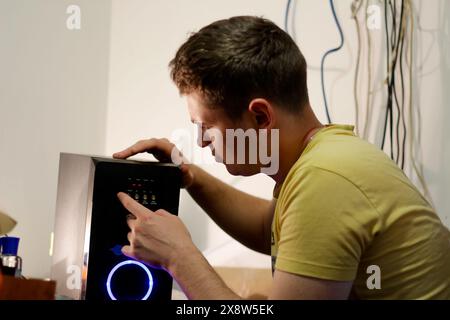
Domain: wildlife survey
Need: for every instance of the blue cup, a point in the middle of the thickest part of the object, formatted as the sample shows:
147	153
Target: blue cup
9	246
10	262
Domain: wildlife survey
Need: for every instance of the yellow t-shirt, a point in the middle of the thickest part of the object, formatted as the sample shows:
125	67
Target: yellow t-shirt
345	207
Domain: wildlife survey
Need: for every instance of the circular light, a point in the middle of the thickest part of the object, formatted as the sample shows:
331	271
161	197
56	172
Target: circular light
128	262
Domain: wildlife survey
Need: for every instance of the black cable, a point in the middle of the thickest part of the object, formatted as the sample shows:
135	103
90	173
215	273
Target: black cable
398	46
391	81
403	97
393	10
392	96
322	65
391	120
399	36
397	125
394	48
388	67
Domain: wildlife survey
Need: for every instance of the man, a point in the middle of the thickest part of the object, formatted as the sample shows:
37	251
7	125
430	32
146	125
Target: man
341	207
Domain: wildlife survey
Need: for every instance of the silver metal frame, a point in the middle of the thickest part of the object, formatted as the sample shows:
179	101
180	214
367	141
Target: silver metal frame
72	224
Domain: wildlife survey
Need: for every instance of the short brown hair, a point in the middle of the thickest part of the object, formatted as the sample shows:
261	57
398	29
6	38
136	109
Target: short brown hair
235	60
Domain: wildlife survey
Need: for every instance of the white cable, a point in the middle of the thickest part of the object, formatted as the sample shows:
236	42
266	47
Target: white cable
356	6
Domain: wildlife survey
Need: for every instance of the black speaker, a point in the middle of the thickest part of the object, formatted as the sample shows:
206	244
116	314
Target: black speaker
90	227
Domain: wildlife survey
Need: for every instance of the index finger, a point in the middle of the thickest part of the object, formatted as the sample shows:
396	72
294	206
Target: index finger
138	147
134	207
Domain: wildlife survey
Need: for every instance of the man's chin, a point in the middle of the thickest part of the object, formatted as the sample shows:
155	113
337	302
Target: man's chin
239	170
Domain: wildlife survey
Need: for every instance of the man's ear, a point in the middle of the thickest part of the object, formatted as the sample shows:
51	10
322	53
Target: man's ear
263	113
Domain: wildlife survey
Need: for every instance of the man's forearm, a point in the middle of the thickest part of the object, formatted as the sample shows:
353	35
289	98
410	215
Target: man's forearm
197	278
245	217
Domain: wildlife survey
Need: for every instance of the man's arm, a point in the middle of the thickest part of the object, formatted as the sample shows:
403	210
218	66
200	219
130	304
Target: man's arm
289	286
245	217
199	281
197	278
160	239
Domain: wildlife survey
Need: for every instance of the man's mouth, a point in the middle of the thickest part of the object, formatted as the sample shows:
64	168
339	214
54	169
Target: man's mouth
217	157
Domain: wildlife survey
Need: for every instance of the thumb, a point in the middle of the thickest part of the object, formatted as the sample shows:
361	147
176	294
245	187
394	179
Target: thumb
126	250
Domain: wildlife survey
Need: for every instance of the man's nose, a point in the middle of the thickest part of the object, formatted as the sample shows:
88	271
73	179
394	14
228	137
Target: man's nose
202	143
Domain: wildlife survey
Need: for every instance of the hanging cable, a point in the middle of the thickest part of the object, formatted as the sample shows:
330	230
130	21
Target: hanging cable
388	71
356	6
398	150
399	105
402	86
397	63
322	65
290	23
399	35
286	16
369	76
393	40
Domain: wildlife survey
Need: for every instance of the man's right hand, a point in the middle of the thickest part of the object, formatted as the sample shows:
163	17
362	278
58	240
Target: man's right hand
164	151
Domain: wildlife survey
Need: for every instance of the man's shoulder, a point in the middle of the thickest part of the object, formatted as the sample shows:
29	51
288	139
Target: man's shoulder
341	160
345	156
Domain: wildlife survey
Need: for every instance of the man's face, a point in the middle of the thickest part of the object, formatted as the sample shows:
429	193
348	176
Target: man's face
212	125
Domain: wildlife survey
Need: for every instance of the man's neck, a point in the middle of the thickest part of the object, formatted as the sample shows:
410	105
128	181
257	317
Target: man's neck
295	135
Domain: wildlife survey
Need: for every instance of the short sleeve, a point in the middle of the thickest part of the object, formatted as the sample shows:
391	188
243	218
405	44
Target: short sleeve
325	223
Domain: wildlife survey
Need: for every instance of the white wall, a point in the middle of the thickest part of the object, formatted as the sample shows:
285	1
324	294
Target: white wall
53	97
100	89
432	94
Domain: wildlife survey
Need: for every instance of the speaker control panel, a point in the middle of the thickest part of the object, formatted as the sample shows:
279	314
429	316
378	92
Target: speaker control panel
144	191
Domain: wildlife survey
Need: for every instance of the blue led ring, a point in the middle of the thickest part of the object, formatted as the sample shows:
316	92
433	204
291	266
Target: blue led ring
127	262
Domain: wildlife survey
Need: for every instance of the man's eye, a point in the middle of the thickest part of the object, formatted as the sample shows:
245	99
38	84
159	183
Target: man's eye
201	126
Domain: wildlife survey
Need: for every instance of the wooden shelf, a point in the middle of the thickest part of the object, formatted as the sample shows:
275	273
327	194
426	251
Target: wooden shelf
26	289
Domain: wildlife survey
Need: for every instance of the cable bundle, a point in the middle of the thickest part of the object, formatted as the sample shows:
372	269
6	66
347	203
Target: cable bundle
398	124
